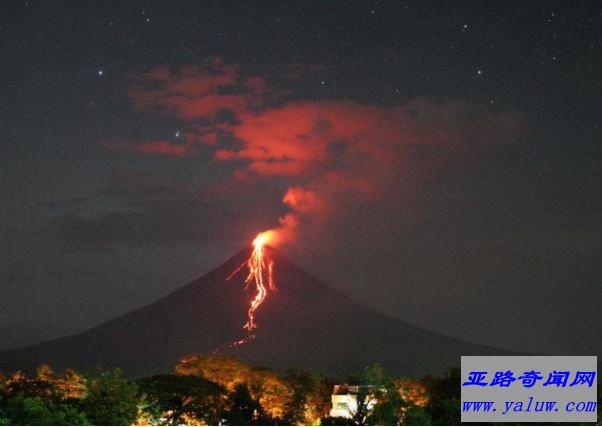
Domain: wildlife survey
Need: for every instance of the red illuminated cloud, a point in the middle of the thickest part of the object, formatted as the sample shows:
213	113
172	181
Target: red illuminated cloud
337	153
326	139
199	91
305	137
162	148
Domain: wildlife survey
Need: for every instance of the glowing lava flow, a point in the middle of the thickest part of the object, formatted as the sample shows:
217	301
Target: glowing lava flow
261	274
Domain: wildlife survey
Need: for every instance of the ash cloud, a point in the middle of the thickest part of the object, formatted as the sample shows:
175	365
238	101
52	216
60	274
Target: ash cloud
336	156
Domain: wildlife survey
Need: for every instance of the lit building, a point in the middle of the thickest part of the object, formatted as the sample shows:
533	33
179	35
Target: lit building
344	400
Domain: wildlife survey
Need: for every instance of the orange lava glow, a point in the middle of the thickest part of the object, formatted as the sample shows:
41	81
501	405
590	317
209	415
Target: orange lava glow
261	268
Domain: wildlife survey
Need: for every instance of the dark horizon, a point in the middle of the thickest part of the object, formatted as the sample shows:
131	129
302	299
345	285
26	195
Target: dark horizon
438	162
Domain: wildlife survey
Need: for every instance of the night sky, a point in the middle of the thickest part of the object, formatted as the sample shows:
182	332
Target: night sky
442	160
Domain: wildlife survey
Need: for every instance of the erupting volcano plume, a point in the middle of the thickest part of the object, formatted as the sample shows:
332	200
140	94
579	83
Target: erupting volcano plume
260	267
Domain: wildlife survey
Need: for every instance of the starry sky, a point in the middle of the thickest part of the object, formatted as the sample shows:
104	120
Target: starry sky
439	161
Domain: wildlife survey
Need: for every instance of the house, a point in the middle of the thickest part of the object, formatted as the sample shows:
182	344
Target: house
344	399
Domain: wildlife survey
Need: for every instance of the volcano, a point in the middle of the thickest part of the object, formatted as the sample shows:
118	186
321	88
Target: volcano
304	323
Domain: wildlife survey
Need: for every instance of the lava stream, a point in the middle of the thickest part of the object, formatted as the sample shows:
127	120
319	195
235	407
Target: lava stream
261	268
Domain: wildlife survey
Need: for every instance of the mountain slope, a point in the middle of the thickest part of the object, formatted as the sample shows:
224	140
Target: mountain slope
304	323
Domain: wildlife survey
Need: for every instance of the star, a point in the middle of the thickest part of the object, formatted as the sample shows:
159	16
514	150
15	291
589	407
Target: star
100	73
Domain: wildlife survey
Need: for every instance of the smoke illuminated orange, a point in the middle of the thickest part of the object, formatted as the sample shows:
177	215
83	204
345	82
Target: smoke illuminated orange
261	268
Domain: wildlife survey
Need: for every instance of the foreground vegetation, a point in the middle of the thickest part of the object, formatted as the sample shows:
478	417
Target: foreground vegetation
218	389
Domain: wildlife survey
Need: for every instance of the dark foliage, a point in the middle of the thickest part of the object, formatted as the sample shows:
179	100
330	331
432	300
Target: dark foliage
175	399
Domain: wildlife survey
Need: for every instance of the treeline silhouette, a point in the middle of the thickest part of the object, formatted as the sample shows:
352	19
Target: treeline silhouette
218	389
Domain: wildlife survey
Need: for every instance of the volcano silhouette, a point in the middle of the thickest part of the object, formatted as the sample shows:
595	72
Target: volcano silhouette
304	323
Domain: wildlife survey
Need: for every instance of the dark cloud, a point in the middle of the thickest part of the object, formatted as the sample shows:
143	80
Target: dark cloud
147	212
61	205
